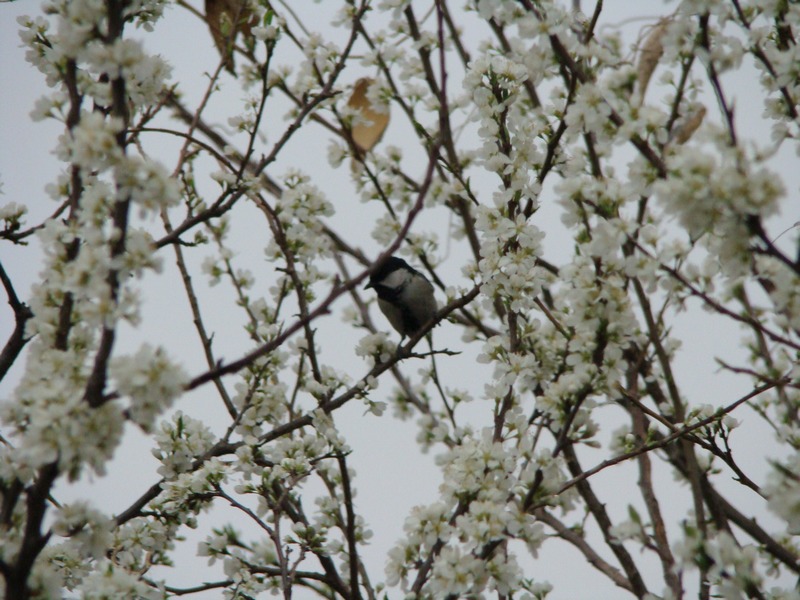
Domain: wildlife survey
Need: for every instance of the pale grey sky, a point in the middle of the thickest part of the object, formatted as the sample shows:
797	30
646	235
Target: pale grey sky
392	475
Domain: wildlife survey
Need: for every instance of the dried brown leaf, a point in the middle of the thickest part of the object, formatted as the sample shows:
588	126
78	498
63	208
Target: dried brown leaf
686	127
226	19
649	55
369	127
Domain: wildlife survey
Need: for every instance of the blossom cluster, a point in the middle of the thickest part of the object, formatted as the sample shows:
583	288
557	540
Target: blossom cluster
595	197
479	506
299	212
63	415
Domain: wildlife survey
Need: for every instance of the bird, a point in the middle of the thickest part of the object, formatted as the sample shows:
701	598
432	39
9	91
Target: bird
405	296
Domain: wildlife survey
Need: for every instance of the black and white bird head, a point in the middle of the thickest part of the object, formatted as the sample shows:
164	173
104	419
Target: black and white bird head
405	296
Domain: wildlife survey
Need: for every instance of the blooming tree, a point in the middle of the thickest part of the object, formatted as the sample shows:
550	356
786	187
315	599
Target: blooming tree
574	196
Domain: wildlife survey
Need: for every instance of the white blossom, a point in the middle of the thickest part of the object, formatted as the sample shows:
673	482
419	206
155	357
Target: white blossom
150	380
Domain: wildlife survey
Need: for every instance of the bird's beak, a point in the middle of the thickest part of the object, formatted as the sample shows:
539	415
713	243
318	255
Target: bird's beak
368	286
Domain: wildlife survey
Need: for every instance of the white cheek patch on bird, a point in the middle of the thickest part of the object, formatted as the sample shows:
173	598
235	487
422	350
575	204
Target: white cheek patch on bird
395	280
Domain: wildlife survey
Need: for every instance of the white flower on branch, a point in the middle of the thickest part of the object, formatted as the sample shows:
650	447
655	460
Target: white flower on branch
150	380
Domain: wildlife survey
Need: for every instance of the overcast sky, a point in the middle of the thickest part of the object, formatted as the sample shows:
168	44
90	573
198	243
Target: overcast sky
392	475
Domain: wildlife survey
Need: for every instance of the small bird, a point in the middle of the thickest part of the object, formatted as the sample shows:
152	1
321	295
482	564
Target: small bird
405	295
